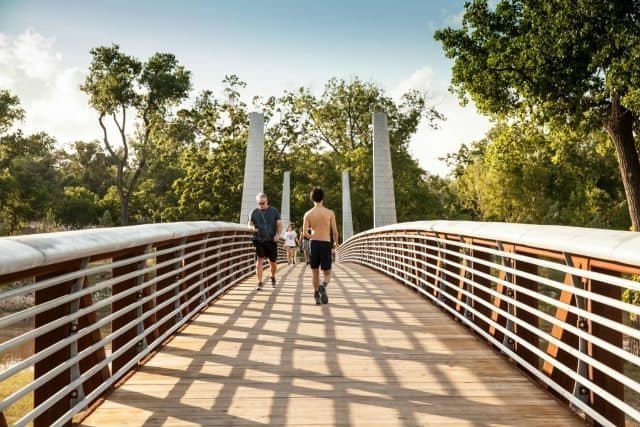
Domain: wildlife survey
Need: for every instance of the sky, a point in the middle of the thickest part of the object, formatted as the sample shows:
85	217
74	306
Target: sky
272	45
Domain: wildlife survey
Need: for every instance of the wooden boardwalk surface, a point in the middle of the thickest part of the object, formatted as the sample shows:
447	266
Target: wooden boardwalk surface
376	355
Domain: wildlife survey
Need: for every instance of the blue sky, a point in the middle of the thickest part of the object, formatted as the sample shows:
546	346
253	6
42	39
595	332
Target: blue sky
272	45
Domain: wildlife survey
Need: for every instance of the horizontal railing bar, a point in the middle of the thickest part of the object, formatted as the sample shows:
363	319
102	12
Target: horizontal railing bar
576	310
104	386
105	301
89	373
585	335
594	275
536	331
505	331
100	268
506	350
124	310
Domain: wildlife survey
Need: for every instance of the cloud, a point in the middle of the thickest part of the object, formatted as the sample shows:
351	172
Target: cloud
421	80
462	125
49	92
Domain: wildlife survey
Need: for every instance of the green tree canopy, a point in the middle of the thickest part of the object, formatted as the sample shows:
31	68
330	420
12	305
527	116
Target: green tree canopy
561	61
118	83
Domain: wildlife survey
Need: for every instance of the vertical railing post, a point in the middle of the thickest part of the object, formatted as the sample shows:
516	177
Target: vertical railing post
464	274
88	340
525	316
202	288
77	394
172	270
42	393
481	285
190	276
128	319
580	391
500	303
612	336
557	331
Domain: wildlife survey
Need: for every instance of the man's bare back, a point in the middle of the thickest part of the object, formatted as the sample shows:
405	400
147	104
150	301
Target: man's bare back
322	221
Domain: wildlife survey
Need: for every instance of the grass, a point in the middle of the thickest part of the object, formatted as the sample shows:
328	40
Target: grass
14	412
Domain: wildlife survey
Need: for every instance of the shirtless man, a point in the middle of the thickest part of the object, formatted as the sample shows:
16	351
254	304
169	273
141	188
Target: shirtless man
323	222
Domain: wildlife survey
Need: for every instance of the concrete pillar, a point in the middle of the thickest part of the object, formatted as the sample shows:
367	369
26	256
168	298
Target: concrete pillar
384	202
285	212
347	220
253	166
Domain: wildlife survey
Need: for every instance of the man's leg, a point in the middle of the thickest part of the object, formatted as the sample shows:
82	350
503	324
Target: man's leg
327	276
325	265
259	263
315	280
274	269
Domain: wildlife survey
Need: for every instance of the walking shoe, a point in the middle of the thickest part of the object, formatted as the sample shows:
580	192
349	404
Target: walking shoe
273	281
323	293
316	295
259	286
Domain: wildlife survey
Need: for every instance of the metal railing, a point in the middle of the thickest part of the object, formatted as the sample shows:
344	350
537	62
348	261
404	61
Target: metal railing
103	300
548	297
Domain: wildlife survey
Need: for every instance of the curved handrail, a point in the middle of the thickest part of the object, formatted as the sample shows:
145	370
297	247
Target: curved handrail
104	299
548	297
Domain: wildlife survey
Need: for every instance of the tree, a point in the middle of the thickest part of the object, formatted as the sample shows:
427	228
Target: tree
556	62
118	83
522	173
29	178
215	132
87	165
79	207
10	110
340	121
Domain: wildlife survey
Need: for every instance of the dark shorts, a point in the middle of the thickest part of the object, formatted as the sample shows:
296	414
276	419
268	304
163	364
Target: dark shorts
266	250
320	255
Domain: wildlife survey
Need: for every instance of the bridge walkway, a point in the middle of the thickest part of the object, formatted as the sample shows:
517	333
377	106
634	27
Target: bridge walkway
376	355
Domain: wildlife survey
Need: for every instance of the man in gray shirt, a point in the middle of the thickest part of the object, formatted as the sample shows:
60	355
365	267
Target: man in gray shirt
267	227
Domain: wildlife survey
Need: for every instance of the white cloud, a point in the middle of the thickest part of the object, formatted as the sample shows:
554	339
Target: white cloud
50	94
34	55
463	124
421	80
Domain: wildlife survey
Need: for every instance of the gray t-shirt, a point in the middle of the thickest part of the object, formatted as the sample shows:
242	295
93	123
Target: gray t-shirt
266	222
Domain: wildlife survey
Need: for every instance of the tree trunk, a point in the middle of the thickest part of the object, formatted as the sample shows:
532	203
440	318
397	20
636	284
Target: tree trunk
620	128
124	210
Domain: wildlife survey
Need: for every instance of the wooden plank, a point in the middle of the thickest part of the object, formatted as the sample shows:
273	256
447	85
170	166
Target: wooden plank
376	355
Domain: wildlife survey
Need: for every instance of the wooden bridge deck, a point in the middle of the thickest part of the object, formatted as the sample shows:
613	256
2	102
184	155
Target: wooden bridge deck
376	355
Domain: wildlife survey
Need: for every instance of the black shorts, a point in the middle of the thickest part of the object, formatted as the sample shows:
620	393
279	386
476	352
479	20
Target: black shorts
266	250
320	255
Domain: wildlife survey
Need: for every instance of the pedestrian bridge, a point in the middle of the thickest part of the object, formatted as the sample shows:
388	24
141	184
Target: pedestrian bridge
428	323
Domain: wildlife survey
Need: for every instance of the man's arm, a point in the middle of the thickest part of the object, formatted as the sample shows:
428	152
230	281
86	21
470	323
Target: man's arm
305	226
278	230
334	228
250	223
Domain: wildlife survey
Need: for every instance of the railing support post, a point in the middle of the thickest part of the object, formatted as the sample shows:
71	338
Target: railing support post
42	393
612	336
524	315
128	319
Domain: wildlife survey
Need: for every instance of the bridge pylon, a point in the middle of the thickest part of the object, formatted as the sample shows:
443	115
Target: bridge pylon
384	204
253	166
347	219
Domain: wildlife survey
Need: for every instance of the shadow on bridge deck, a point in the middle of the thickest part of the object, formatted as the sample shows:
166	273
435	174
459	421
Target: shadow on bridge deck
376	355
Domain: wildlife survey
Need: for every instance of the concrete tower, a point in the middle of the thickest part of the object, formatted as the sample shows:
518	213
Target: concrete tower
285	212
347	221
253	166
384	202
